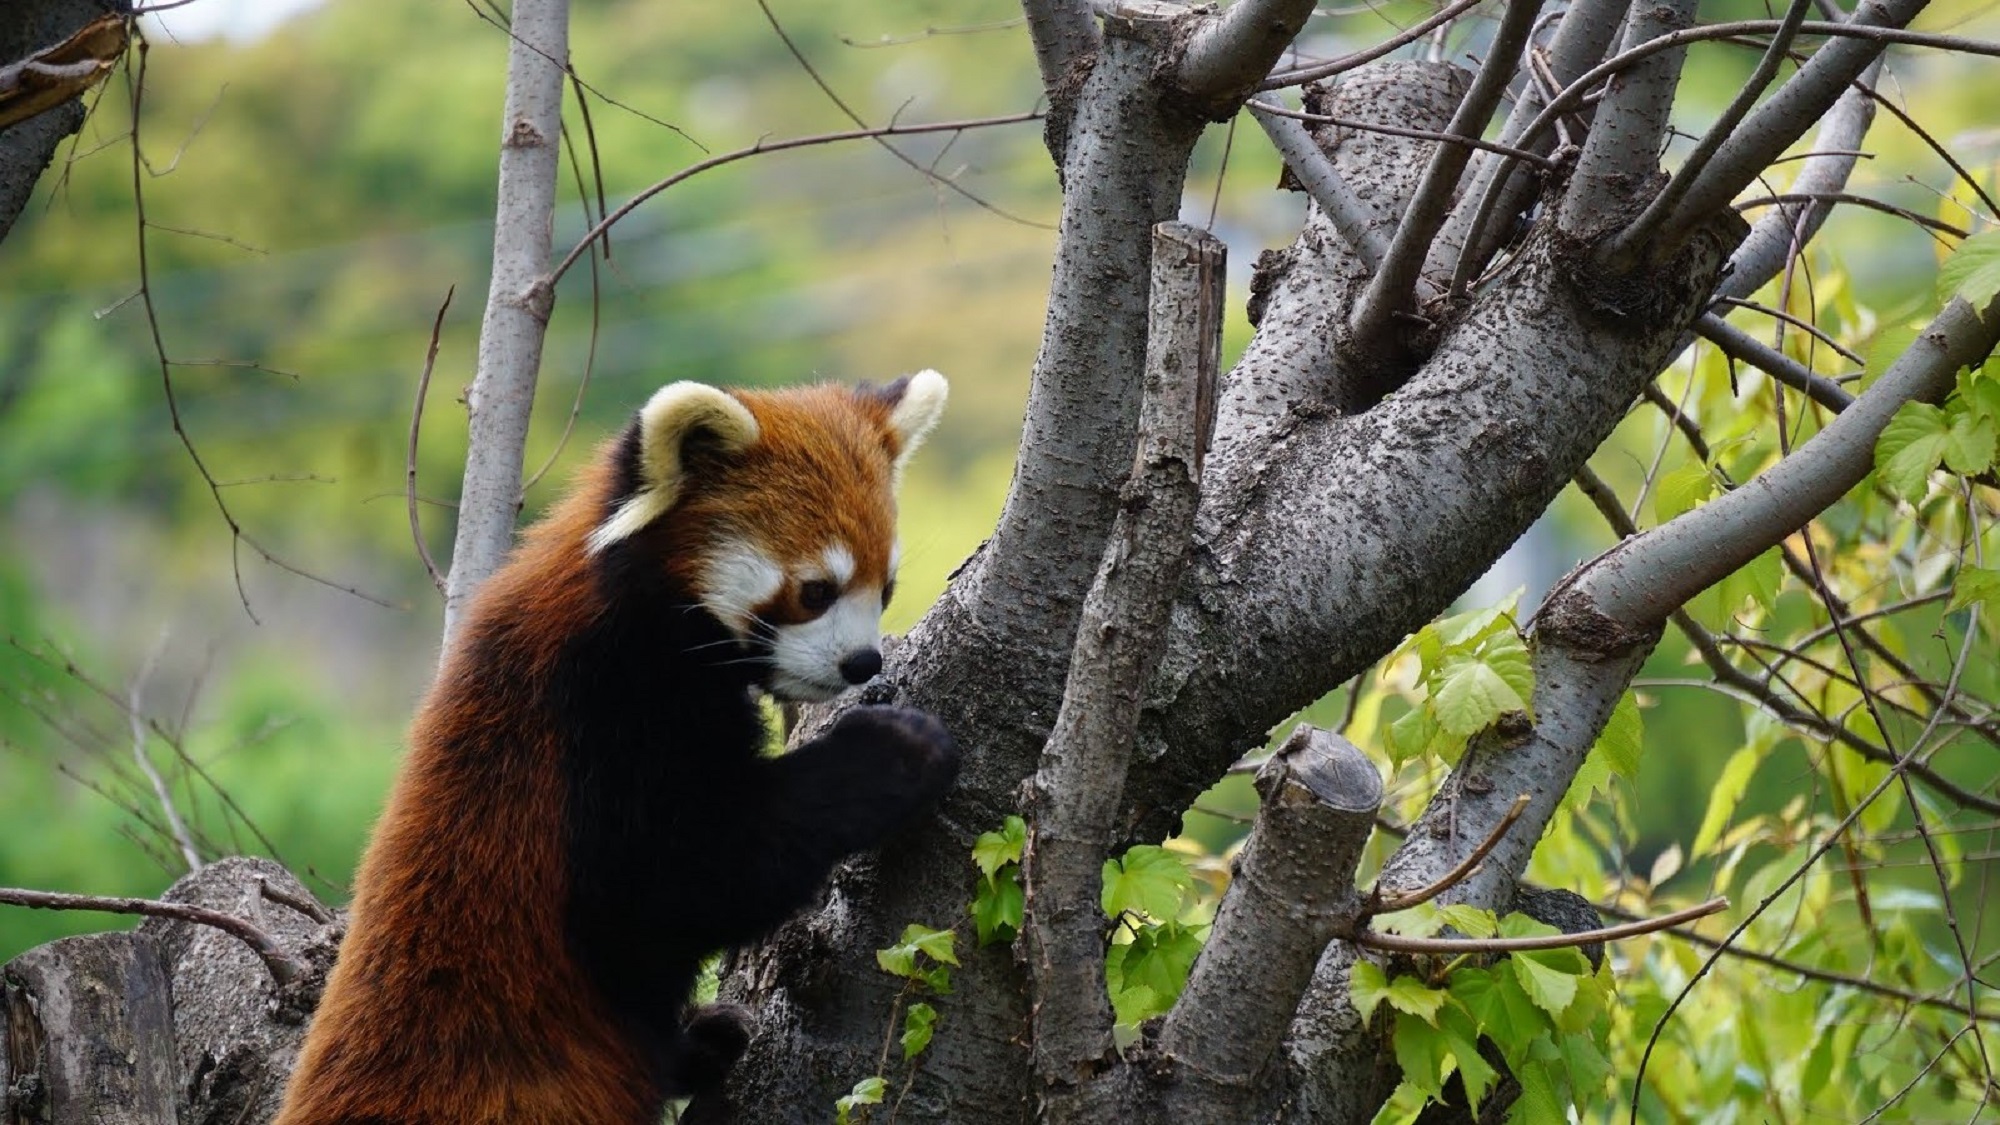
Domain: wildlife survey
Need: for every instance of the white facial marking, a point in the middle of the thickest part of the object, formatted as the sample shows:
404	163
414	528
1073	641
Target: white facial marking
806	658
839	563
738	578
895	558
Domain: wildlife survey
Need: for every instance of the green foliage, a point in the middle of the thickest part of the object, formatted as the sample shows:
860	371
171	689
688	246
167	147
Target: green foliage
866	1092
1147	894
1546	1012
1472	668
997	903
917	1024
923	955
1972	271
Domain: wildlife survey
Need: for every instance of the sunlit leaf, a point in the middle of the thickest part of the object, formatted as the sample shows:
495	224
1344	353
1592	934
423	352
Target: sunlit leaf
1622	741
1969	443
1469	696
1550	989
1409	995
1972	271
1974	585
1723	798
1911	445
992	850
1422	1051
1368	986
868	1091
997	907
1148	879
917	1025
1682	490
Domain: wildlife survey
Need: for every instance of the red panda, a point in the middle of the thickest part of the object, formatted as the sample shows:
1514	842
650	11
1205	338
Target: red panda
586	810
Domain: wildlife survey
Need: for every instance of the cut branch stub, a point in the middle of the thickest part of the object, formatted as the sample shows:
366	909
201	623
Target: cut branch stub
1293	891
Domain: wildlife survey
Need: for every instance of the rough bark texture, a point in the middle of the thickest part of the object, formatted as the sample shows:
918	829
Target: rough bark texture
26	147
173	1021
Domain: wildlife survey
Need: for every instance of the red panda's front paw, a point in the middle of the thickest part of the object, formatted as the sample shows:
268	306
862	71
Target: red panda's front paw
919	752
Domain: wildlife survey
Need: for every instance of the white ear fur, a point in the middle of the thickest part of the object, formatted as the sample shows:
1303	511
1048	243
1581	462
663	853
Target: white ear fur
674	412
917	413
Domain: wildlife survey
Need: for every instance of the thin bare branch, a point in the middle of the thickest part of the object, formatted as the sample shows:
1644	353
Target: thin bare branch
1745	348
283	967
1397	943
892	130
136	719
1789	112
1299	76
1380	905
410	455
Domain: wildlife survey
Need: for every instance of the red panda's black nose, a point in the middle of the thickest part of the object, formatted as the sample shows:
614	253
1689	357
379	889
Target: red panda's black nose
860	666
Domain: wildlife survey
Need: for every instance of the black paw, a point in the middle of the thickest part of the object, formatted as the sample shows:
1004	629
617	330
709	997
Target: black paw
712	1040
919	752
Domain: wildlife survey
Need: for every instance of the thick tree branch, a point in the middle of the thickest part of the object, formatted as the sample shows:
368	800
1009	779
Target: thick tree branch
1776	52
1789	112
1472	235
1227	57
1073	799
1064	33
1286	600
1643	579
1621	158
1292	890
1357	223
518	303
1393	289
1779	236
1299	296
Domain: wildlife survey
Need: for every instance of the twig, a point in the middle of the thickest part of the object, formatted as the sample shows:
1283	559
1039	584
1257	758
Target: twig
1743	347
695	169
284	967
306	905
1378	905
1262	105
136	720
1883	206
1397	943
1345	63
410	457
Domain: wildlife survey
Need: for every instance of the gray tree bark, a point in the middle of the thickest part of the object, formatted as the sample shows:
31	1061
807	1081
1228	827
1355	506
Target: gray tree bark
26	147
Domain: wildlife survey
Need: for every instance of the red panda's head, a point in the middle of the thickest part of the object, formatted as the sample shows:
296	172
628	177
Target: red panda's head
776	512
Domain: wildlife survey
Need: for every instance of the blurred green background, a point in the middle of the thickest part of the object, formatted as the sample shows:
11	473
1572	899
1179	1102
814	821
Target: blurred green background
317	189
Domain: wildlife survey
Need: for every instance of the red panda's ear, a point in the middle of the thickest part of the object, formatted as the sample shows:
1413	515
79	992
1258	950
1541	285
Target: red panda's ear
676	414
914	410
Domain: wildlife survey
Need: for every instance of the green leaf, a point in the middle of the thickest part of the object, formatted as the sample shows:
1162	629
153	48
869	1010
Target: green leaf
1974	585
1722	799
917	1025
1979	392
1368	986
1623	739
1911	445
1461	1038
1587	1066
1421	1050
1411	735
1972	271
1507	654
1468	696
1409	995
1541	1100
997	905
1472	921
994	850
1149	879
900	959
868	1091
1550	989
1682	490
1969	443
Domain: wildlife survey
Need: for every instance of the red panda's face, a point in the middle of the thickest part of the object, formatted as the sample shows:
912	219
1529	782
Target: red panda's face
776	511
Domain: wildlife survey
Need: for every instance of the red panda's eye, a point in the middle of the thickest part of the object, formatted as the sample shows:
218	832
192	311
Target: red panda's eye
817	595
888	591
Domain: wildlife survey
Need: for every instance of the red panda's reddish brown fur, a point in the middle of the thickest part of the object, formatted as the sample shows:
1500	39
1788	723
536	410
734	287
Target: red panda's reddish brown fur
457	998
